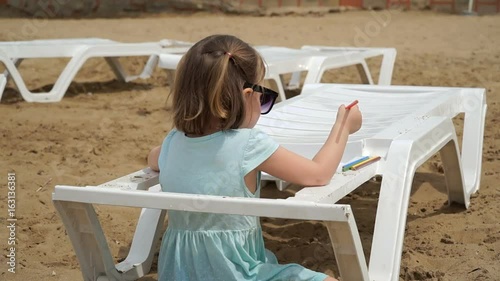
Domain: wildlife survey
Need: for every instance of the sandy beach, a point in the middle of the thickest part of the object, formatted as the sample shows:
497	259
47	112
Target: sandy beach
104	128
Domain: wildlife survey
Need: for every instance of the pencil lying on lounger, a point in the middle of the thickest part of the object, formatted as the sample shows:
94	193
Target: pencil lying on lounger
365	163
351	104
350	164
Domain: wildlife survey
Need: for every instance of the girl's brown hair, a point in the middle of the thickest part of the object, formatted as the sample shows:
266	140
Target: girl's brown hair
209	81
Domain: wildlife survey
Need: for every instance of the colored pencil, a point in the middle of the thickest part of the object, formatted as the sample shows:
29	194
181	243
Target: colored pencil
350	164
365	163
351	104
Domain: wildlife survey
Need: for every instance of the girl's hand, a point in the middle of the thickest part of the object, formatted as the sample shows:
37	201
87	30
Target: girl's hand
349	119
297	169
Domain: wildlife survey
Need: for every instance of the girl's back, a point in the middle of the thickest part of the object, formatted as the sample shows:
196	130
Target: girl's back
212	165
204	246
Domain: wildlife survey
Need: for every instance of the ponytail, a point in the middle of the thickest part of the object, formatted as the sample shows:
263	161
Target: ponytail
216	93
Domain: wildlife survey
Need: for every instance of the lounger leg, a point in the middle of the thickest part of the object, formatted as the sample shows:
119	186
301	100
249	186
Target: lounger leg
364	73
3	83
279	84
122	75
472	141
387	67
60	86
89	242
149	67
385	258
405	155
146	237
317	67
348	250
294	81
281	185
5	76
450	156
117	68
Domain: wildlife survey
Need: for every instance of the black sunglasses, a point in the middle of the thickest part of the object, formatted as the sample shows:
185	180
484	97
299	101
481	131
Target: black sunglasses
267	99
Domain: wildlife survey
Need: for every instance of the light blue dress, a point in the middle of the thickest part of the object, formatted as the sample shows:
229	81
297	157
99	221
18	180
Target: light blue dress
217	247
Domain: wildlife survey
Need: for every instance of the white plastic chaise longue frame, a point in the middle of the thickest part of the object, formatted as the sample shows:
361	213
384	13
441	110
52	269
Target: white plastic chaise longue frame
405	125
313	59
79	50
351	54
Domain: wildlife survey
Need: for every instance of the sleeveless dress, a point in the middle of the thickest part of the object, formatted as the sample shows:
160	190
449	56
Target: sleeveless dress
217	247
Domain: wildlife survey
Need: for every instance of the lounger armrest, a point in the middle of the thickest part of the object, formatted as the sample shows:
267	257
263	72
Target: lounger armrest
277	208
140	180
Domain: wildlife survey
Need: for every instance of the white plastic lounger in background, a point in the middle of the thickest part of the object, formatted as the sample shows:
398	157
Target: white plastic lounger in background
281	60
79	50
405	125
352	54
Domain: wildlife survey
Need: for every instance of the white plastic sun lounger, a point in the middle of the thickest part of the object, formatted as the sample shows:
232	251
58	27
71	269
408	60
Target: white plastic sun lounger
281	60
79	50
405	125
356	54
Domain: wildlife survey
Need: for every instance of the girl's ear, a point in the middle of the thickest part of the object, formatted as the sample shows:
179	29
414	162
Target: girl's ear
247	92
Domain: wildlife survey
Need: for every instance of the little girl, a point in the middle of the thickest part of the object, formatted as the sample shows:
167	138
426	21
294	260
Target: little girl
215	150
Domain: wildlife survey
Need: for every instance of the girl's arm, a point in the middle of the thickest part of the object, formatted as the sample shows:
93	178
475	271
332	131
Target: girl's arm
294	168
153	158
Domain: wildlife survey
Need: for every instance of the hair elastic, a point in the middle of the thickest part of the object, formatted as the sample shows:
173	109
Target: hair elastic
229	54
